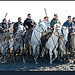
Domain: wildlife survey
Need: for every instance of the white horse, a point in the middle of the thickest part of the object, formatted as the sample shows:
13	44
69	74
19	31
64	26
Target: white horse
36	39
63	40
18	42
73	44
5	44
52	42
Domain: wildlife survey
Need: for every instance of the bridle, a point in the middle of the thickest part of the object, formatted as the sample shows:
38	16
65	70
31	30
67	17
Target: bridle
35	34
53	39
63	35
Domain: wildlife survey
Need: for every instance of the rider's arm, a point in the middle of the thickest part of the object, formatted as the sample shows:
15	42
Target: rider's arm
64	24
51	23
25	24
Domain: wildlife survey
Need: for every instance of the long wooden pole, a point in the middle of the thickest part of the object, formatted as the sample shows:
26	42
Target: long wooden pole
45	11
5	19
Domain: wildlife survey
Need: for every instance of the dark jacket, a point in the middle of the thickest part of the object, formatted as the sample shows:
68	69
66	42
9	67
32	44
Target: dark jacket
54	21
4	25
73	26
15	27
9	24
67	24
29	23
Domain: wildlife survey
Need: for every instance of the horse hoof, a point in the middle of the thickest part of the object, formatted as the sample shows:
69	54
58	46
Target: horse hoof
24	62
61	60
37	63
5	62
51	63
38	57
0	58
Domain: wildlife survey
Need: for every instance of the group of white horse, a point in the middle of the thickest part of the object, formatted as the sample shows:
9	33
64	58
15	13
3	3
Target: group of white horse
59	38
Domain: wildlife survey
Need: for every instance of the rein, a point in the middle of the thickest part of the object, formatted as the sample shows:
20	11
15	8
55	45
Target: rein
36	37
57	41
38	31
35	34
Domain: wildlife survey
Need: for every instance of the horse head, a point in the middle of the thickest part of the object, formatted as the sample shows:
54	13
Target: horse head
21	29
57	28
42	27
65	33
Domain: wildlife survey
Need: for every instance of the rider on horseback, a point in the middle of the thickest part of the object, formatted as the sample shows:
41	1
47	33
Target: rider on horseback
16	25
9	23
4	25
54	20
28	24
68	24
47	24
73	24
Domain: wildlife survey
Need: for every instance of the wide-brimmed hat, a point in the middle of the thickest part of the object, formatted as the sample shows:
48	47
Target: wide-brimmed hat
46	17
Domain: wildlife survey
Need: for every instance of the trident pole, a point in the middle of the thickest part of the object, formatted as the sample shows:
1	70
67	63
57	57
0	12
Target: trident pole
5	15
45	11
5	19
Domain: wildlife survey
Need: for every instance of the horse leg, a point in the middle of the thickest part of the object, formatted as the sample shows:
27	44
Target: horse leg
46	51
67	56
30	50
5	55
38	51
50	53
63	52
14	54
55	52
21	47
43	51
4	58
35	58
59	52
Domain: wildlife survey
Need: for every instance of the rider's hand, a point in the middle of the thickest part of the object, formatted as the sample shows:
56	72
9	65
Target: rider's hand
70	27
50	28
26	26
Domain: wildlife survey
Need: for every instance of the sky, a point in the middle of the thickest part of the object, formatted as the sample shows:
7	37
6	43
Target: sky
17	9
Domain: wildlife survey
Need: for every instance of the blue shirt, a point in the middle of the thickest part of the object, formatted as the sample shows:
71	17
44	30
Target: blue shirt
67	24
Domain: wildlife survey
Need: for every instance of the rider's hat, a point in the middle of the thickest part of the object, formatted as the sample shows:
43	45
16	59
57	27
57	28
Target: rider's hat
46	17
19	18
29	14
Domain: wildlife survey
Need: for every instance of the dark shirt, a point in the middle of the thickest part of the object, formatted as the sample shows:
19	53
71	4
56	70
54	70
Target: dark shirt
29	23
15	27
54	21
67	24
73	26
4	25
9	24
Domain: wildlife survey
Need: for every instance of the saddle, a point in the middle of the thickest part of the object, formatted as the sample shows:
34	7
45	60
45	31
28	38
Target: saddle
45	38
30	33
